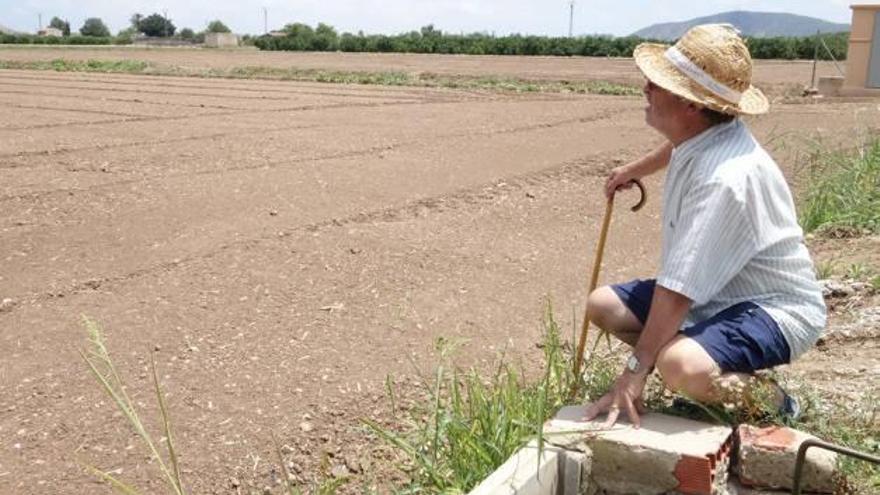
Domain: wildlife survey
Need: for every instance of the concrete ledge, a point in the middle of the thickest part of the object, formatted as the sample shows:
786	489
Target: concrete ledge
555	471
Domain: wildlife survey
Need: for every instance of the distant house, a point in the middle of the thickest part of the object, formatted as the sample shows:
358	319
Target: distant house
50	31
278	34
221	40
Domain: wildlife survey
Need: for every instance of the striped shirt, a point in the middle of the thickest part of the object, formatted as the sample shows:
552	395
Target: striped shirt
730	234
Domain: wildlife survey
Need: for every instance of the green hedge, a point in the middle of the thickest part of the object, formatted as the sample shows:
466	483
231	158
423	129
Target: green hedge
29	39
429	40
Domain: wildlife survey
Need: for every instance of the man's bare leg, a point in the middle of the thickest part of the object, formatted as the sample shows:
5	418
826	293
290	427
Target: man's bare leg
685	366
688	369
609	313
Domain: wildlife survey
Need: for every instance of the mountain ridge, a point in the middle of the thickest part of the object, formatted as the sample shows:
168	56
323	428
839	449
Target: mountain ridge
750	24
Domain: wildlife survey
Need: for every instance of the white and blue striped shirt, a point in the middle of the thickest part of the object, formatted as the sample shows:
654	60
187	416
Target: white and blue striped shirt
730	234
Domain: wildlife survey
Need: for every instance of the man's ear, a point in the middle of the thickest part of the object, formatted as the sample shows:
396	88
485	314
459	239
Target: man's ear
694	109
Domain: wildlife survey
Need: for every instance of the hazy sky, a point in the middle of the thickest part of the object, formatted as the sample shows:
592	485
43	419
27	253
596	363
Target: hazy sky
618	17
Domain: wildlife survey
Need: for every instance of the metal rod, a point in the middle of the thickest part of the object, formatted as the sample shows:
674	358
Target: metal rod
830	54
812	442
815	59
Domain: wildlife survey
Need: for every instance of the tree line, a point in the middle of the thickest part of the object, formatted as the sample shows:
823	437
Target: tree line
302	37
95	32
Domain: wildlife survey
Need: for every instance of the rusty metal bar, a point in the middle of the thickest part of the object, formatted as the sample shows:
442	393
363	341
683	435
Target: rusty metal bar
812	442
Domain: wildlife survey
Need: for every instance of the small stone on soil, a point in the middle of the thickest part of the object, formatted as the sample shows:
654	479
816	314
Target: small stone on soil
7	304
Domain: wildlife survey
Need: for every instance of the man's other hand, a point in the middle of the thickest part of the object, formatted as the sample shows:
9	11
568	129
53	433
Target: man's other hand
626	395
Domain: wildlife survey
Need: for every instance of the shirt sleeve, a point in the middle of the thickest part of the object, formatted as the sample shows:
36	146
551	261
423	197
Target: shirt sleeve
711	241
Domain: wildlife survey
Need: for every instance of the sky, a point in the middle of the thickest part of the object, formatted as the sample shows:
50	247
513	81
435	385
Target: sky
544	17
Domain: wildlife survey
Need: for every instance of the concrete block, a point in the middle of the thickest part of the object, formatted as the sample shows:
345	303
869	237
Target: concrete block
667	454
767	457
574	472
830	86
524	473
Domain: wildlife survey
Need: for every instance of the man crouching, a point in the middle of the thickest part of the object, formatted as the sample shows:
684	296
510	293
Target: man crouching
736	290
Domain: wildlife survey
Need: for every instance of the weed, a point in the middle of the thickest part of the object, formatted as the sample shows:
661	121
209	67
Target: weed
471	425
64	65
843	197
858	271
98	360
875	283
825	269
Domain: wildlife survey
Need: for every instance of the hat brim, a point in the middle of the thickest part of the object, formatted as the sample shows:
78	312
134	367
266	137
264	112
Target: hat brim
651	60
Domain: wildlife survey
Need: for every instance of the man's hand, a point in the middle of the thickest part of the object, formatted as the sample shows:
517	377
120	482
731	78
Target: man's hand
620	178
626	394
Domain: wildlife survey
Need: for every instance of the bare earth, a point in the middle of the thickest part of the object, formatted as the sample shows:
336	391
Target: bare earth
283	247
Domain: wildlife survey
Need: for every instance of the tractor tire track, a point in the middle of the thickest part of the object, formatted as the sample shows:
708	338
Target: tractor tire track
480	194
332	156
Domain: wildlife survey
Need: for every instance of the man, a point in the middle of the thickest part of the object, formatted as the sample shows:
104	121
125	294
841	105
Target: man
736	290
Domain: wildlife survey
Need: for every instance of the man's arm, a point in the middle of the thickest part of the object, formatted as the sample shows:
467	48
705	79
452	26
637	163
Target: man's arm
668	310
620	177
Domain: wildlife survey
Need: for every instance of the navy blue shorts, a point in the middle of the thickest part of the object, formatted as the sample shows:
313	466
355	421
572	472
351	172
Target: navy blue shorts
742	338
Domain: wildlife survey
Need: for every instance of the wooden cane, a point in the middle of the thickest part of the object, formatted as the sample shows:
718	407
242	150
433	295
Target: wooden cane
594	279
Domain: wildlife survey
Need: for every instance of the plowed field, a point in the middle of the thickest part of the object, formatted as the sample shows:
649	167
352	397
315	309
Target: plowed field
283	247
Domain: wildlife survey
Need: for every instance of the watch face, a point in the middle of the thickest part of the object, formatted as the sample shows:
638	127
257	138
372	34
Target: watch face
632	364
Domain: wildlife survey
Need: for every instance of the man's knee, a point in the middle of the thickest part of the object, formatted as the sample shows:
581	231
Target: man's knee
687	368
602	306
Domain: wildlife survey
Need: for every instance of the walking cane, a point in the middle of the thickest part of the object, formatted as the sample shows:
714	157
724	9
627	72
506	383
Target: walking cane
597	263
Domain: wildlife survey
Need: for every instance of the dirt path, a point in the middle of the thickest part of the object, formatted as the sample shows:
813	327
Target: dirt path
287	246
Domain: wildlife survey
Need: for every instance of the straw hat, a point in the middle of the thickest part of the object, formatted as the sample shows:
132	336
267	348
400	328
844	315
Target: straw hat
710	65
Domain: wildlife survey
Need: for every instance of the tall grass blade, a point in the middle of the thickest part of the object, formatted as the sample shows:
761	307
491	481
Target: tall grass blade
118	485
101	366
166	428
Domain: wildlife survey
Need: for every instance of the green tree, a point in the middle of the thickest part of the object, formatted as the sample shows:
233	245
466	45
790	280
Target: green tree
217	26
156	25
325	38
187	34
63	25
135	21
94	26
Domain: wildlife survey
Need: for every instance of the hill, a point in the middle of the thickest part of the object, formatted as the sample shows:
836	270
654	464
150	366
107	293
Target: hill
752	24
6	30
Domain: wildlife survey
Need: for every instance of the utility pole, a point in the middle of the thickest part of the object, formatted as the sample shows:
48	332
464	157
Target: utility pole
265	20
39	22
570	18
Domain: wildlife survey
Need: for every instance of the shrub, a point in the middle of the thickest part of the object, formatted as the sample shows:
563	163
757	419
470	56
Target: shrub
94	27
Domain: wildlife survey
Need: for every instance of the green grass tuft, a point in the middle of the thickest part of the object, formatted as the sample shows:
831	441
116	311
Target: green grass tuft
471	424
843	198
381	78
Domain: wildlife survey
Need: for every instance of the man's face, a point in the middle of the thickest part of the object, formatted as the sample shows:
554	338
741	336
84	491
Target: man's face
665	112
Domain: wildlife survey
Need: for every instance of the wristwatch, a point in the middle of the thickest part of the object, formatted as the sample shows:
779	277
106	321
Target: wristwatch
632	364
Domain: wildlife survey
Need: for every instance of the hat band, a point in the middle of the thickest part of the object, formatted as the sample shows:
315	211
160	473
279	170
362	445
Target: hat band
684	64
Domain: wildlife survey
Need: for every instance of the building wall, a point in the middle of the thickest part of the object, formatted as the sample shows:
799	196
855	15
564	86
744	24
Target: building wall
220	40
858	57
